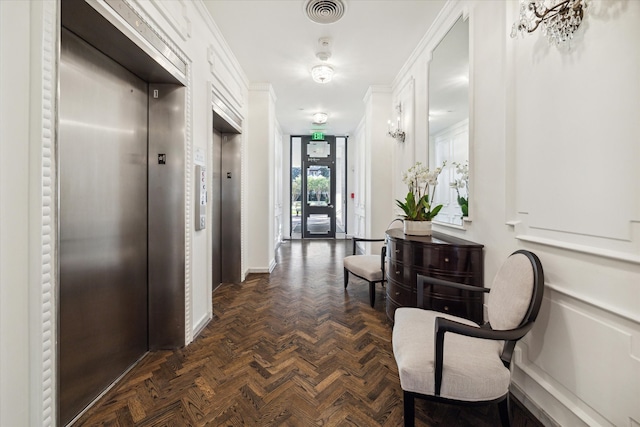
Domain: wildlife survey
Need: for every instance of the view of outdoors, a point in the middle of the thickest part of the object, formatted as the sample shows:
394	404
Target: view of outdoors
318	182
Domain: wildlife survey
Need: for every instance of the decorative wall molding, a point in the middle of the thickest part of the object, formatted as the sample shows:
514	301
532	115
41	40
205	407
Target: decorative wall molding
441	25
373	90
536	410
217	35
585	249
188	207
568	222
550	388
573	371
616	311
182	28
48	221
264	87
404	154
221	70
229	71
209	150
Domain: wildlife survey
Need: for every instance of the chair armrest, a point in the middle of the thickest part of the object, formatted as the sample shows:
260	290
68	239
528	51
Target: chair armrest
362	239
433	281
443	325
383	255
421	280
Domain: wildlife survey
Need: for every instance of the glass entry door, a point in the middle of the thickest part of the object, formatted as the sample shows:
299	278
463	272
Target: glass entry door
318	188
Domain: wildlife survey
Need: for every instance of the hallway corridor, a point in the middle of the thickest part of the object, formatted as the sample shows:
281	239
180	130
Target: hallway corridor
291	348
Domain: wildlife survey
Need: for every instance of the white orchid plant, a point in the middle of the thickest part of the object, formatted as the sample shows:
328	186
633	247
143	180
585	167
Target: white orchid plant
462	183
422	187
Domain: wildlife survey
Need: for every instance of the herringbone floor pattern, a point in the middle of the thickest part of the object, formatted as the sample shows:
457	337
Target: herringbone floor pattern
288	349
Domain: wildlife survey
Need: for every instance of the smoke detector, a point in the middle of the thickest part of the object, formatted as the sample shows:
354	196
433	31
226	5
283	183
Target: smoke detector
323	56
325	11
324	48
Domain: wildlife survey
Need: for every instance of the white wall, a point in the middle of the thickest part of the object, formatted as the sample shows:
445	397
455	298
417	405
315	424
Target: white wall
378	148
15	137
260	205
554	169
356	182
280	208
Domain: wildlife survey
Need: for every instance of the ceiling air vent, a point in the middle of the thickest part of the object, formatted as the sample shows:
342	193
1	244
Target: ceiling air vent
325	11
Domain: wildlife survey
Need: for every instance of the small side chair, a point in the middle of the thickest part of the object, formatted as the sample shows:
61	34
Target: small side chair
449	359
366	267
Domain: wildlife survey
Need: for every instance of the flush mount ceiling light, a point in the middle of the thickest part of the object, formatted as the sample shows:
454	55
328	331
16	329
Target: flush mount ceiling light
322	73
325	11
320	118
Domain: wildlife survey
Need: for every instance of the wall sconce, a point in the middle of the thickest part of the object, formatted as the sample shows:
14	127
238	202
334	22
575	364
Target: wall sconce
559	19
394	131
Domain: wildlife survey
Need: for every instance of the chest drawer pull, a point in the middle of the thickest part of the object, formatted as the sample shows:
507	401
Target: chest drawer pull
446	260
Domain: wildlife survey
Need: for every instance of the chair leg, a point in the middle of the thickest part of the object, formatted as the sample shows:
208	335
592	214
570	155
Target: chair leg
346	278
409	410
372	293
504	407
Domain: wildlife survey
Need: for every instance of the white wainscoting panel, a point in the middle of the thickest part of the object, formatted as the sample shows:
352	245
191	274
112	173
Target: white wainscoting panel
586	358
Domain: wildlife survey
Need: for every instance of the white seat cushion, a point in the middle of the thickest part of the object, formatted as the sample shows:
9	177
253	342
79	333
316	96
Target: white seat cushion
366	266
472	369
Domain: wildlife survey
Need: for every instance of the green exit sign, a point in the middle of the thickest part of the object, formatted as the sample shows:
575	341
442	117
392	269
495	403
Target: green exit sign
317	136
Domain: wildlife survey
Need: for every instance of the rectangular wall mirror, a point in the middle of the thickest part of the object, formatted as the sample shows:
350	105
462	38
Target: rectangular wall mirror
449	122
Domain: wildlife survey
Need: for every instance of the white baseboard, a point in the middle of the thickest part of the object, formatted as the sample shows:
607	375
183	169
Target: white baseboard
201	325
258	270
531	406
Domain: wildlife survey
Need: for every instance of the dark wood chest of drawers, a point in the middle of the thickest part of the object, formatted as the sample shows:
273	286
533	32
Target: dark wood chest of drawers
440	256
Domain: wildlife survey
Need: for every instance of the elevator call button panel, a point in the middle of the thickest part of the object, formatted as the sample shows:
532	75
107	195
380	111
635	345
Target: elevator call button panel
201	198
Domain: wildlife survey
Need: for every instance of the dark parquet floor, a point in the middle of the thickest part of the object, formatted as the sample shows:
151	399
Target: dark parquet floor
288	349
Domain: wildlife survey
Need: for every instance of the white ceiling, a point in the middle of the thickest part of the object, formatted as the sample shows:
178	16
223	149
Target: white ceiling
276	43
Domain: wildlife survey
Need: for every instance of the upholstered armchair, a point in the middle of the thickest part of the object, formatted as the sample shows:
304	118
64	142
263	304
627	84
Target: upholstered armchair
366	267
449	359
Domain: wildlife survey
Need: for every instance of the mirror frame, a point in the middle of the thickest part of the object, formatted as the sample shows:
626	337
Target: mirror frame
445	27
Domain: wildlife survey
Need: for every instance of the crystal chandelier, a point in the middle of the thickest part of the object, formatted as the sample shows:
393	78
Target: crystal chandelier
322	73
558	19
320	118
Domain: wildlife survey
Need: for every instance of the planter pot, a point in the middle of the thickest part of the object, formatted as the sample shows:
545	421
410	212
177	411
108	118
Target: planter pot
417	228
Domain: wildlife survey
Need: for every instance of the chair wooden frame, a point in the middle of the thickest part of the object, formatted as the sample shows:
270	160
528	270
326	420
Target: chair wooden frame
510	338
372	284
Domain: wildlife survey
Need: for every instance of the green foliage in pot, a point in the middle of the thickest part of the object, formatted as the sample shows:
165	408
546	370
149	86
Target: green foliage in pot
422	186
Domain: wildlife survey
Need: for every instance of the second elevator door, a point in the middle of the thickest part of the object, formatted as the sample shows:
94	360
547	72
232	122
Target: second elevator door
226	208
216	211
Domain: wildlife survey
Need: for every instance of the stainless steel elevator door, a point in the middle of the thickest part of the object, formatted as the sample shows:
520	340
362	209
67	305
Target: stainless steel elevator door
230	208
216	214
103	223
